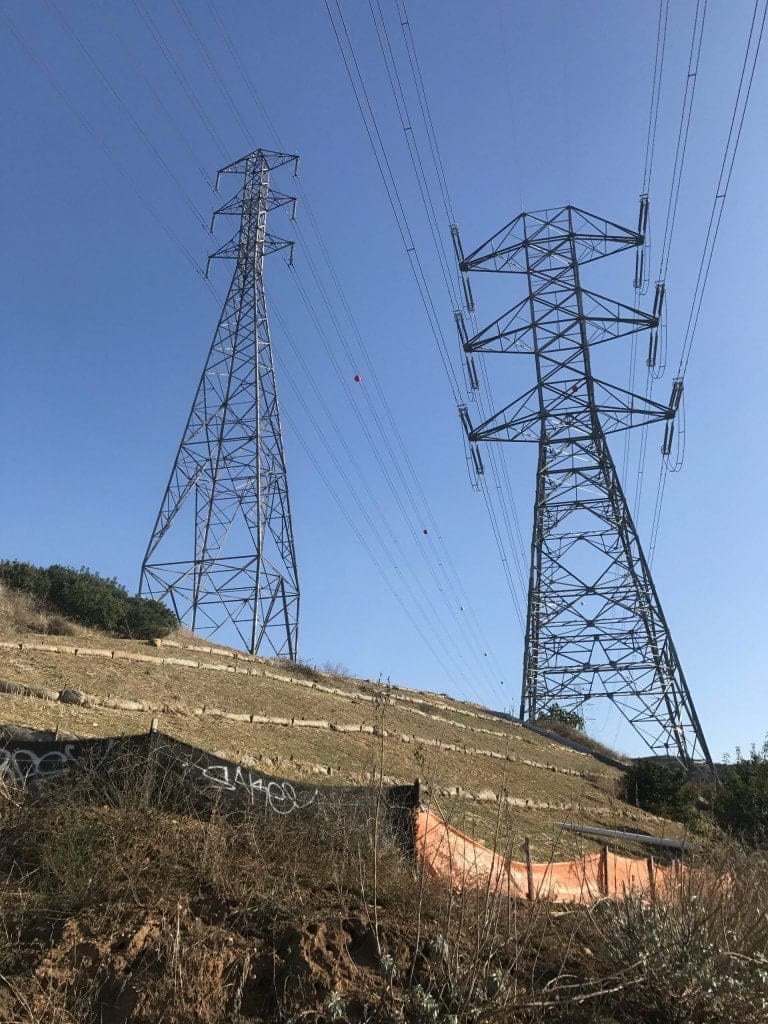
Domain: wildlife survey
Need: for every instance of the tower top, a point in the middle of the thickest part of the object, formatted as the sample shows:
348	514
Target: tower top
545	231
269	157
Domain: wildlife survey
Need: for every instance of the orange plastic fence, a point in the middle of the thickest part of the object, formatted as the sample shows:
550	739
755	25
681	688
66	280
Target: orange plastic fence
465	864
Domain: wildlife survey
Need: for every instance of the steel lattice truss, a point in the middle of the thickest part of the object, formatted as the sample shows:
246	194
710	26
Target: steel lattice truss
225	510
595	626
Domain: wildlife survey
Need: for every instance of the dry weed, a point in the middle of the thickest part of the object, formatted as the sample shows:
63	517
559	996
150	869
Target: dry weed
124	900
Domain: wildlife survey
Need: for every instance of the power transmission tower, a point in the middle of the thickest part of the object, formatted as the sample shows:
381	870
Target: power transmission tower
222	551
595	626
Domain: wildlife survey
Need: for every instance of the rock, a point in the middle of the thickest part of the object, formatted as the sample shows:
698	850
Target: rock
12	688
42	692
72	697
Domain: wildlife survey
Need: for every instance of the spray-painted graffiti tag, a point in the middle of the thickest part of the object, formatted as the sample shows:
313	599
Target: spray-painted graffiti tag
281	797
22	766
32	762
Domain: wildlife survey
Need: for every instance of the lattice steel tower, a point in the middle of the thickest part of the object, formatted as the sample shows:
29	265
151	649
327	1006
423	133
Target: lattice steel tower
595	626
222	551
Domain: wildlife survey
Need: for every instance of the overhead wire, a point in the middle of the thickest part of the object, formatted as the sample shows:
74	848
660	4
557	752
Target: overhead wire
653	116
362	539
417	164
101	142
158	100
369	505
450	638
408	128
178	74
689	92
681	145
414	150
108	151
379	400
738	114
228	96
746	79
451	581
128	113
642	281
383	163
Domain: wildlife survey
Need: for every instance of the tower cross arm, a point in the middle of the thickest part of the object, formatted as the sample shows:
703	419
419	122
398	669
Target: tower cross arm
567	415
510	250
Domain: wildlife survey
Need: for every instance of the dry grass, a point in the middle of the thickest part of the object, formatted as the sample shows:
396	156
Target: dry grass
21	615
290	752
122	903
569	733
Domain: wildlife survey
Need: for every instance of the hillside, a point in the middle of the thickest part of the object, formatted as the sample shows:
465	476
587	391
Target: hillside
488	775
127	898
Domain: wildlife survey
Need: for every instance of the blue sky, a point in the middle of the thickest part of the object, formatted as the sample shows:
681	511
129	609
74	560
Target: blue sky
117	124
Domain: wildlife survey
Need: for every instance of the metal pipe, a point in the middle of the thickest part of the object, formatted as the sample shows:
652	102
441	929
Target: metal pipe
635	837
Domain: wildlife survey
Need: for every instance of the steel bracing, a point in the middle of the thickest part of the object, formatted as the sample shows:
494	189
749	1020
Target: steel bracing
222	551
595	626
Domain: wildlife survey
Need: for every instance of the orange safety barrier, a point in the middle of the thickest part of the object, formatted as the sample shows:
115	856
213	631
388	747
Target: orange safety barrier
465	864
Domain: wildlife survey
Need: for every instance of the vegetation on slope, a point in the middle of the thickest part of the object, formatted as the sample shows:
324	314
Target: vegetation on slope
122	903
570	725
91	600
741	802
660	788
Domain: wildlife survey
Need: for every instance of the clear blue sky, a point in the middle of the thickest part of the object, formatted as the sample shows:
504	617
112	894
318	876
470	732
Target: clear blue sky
105	324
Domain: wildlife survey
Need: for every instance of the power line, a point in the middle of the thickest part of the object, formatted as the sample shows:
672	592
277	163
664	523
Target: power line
380	401
170	120
127	112
369	505
409	131
642	275
653	117
681	145
441	177
373	133
694	59
746	77
179	74
724	179
100	141
210	64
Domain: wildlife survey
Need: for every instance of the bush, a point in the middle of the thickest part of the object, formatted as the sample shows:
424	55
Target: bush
659	788
741	800
562	716
89	599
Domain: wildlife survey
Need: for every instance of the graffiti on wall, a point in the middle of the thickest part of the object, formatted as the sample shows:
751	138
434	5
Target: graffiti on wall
23	765
33	762
280	795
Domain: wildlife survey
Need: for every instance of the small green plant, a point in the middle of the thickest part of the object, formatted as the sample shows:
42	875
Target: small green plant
335	1008
424	1008
388	965
741	801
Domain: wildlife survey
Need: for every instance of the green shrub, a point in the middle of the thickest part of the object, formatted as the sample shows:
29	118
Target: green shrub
741	801
562	716
659	788
89	599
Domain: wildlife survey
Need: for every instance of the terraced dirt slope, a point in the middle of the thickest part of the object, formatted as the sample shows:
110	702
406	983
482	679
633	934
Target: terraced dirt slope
489	776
